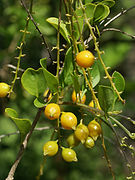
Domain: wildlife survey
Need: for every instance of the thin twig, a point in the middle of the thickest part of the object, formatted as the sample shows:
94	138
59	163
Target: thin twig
118	15
23	147
36	26
17	132
118	30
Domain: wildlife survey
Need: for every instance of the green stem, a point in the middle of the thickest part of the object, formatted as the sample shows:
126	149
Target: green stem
99	53
131	135
21	50
91	89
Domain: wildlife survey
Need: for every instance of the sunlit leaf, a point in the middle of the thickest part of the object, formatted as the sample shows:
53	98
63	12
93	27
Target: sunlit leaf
33	81
63	30
51	80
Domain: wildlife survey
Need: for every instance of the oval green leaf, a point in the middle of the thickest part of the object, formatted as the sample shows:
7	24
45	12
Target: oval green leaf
63	30
95	74
23	125
51	80
33	81
100	12
118	81
106	98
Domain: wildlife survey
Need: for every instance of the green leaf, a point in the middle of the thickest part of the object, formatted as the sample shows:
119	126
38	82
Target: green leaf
33	81
106	98
76	83
108	3
89	9
118	81
88	1
39	102
51	80
100	12
23	125
63	30
95	74
68	68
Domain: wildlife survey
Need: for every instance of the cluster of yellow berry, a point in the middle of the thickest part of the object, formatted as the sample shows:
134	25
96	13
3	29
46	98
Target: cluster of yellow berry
82	133
87	135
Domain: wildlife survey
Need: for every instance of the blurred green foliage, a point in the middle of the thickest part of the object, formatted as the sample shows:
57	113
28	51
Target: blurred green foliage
118	54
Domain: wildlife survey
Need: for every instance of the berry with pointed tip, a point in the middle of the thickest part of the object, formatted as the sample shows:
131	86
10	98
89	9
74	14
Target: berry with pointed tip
50	148
94	129
68	120
89	143
81	132
69	154
72	140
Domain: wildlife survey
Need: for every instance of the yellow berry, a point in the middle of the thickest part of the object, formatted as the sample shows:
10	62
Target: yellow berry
50	148
85	59
52	111
68	120
68	154
4	89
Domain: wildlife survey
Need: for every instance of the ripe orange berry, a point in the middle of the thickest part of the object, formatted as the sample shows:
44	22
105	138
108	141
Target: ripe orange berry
94	129
49	95
68	120
76	98
85	59
89	143
81	132
50	148
68	154
72	140
4	89
52	111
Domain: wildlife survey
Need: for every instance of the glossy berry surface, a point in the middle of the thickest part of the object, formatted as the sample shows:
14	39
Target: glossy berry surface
78	97
50	148
52	111
68	120
81	132
72	140
89	143
94	129
69	155
85	59
4	89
